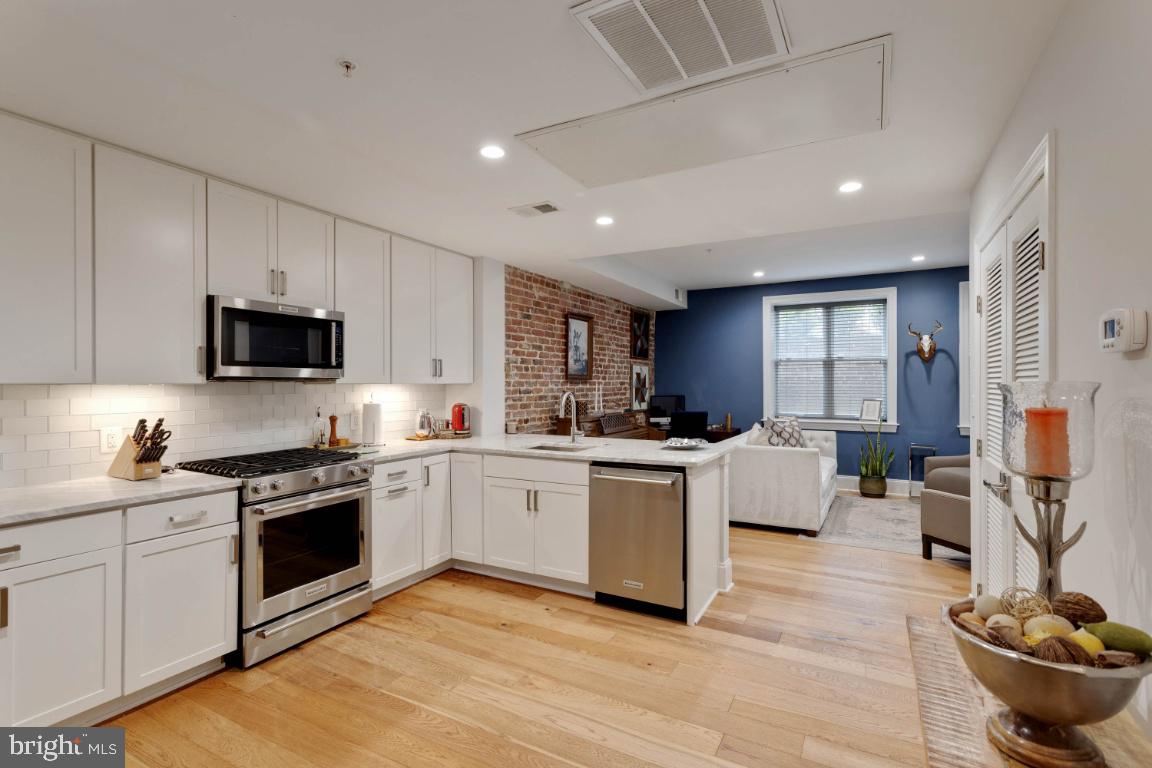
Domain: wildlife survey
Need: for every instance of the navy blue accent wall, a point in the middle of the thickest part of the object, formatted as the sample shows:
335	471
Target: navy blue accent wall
713	353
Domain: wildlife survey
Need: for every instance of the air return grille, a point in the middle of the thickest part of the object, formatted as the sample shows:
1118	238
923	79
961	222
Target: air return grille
667	43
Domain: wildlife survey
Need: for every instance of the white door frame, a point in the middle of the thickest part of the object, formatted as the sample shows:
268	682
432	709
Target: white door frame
1039	169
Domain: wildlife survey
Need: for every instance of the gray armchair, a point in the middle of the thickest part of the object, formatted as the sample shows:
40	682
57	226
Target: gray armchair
945	506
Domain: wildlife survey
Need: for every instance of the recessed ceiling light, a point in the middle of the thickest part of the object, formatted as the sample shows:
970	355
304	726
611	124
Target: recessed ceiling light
851	186
492	151
605	221
757	273
918	257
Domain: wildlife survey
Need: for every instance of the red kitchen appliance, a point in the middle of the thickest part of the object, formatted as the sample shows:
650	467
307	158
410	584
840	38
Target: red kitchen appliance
461	418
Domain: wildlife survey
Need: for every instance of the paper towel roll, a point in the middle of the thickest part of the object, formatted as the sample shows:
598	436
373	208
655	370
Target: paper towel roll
373	420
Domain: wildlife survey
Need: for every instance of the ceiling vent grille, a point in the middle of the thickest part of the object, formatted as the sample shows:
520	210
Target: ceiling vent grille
664	44
534	209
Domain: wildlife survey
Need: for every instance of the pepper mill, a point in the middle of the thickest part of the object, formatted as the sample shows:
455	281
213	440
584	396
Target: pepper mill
333	441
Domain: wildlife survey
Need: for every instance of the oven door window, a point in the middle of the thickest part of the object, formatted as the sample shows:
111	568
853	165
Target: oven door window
301	548
269	340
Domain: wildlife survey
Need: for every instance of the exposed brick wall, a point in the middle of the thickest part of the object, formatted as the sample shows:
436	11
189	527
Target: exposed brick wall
535	307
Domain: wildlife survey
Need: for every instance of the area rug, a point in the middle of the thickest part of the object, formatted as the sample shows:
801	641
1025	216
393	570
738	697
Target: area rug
954	708
892	524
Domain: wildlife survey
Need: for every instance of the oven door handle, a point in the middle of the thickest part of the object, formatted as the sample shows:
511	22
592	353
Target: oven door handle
264	634
311	503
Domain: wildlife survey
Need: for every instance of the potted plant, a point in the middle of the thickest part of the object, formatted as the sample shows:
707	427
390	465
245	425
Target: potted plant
875	460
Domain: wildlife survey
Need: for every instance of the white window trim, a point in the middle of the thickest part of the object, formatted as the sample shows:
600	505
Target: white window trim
891	424
965	426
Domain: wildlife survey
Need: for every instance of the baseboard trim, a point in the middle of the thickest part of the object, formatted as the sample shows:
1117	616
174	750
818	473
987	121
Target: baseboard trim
532	580
895	487
392	587
106	712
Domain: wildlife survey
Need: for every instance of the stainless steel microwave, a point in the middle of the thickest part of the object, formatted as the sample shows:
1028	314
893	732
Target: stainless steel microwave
251	339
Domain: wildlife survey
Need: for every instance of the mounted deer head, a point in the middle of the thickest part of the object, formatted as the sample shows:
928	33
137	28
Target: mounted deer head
926	344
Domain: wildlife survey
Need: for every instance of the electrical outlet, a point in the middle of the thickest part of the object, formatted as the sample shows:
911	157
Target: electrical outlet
355	425
110	439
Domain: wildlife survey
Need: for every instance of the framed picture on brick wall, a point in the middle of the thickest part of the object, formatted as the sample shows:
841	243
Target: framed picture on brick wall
578	355
641	329
641	386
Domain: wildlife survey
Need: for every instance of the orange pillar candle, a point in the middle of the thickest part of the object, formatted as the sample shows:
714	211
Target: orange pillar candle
1046	446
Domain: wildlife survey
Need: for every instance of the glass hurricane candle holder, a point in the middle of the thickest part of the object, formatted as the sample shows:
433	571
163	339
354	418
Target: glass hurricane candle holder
1049	440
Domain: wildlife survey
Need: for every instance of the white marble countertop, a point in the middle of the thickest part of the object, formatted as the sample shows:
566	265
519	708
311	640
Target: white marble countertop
44	502
601	449
95	494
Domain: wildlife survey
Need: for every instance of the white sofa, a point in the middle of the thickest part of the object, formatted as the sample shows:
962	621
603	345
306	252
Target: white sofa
785	487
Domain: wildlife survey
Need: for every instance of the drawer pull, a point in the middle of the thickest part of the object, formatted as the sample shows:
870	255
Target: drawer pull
401	473
188	517
12	550
3	607
400	489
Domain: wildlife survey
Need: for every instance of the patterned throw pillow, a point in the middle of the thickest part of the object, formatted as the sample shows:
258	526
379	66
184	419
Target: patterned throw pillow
784	431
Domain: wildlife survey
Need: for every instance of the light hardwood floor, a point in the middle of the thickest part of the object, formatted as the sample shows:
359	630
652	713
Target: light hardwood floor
804	664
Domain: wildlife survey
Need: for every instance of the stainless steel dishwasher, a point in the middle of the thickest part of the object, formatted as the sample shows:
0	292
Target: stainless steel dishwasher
636	537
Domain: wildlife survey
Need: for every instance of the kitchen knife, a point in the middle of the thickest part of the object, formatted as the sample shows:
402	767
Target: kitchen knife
140	432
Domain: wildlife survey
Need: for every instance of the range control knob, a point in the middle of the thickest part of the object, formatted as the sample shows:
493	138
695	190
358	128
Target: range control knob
258	487
317	478
277	485
354	471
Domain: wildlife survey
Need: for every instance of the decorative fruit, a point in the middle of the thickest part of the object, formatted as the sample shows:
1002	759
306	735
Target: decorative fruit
1114	659
1003	620
1037	638
1009	637
988	605
975	618
1049	624
1061	650
1120	637
1078	608
1087	641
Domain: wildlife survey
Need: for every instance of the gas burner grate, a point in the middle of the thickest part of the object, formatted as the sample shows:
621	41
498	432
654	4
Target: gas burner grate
268	463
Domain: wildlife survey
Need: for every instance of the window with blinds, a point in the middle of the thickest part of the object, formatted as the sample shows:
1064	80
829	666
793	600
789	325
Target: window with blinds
829	357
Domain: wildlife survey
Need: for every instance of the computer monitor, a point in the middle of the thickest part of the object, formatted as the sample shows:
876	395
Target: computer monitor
689	424
665	405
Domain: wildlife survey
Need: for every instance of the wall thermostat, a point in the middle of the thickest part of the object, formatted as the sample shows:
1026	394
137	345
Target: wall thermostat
1123	330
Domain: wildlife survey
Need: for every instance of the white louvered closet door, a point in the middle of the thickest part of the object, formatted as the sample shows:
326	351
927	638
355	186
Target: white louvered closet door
1029	312
1014	317
995	530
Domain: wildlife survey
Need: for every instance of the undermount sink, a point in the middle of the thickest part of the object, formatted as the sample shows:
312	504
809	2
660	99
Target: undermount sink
565	447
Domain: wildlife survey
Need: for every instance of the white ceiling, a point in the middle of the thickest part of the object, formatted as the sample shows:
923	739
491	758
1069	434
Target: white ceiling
859	249
250	91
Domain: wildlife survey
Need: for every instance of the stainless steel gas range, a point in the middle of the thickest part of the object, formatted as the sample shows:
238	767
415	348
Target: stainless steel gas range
306	542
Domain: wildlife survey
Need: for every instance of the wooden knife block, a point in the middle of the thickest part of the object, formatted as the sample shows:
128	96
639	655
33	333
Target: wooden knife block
124	466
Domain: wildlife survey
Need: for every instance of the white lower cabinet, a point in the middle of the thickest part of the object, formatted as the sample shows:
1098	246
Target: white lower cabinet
436	510
60	645
396	532
468	507
180	603
536	527
560	541
508	523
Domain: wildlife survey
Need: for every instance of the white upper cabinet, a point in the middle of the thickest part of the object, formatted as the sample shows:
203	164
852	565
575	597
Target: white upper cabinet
452	281
363	272
241	243
412	357
45	254
431	314
150	271
306	259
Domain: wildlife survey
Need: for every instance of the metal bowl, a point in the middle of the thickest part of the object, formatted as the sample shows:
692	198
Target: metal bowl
1058	694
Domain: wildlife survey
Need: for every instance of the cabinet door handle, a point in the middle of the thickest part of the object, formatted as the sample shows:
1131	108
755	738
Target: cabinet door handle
272	281
188	517
199	359
433	367
283	283
3	607
528	499
536	501
427	476
235	538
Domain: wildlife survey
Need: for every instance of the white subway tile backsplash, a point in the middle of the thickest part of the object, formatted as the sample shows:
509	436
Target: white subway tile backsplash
47	442
51	433
23	425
